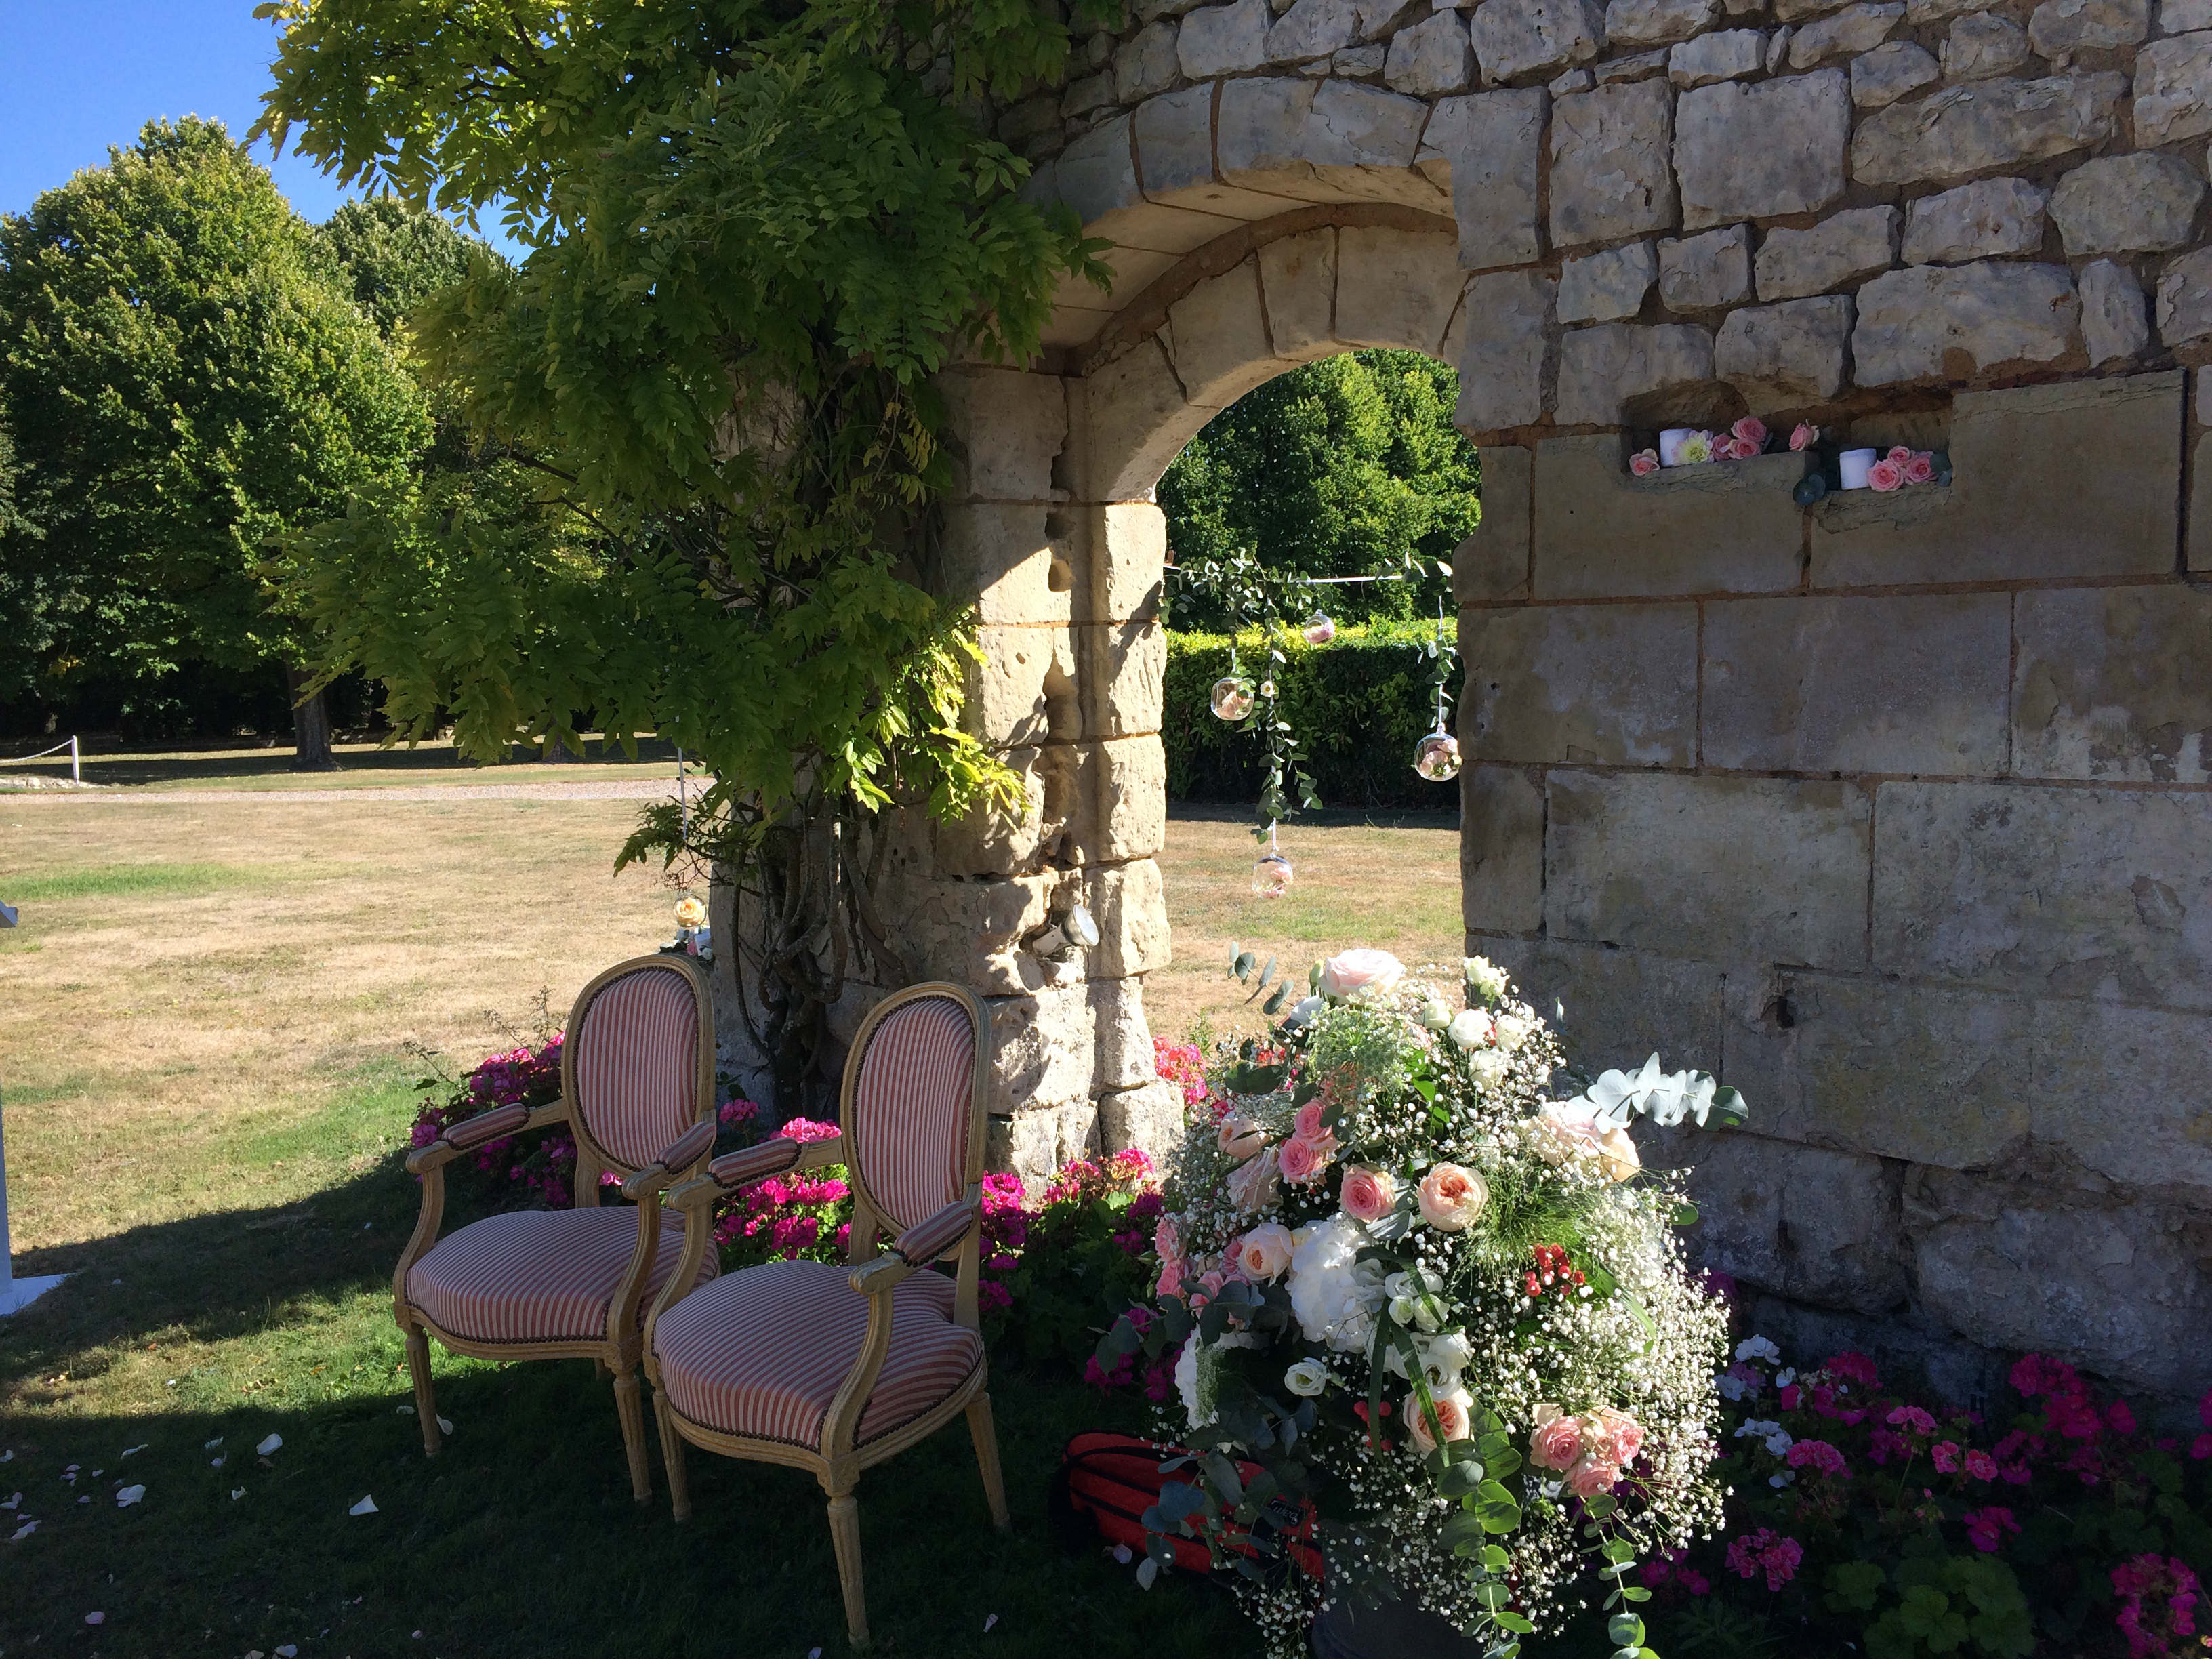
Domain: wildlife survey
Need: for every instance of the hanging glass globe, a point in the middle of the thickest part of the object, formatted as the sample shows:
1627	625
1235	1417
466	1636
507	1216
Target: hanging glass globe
1436	757
1271	876
1232	698
1320	629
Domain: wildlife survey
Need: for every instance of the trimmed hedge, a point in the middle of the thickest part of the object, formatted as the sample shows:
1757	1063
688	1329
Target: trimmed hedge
1358	705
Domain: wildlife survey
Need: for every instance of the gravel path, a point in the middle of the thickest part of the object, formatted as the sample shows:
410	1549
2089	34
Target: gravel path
639	789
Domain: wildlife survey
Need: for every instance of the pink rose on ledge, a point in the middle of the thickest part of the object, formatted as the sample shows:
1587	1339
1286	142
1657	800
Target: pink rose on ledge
1885	475
1921	468
1804	437
1643	462
1750	431
1900	453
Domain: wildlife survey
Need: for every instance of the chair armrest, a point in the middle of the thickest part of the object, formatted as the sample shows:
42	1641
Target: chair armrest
754	1163
925	1241
468	1134
687	1149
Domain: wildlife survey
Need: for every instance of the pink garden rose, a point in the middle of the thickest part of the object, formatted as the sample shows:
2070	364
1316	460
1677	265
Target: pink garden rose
1363	976
1239	1136
1303	1161
1452	1417
1591	1477
1751	430
1899	452
1556	1442
1885	475
1921	469
1367	1195
1619	1436
1643	462
1256	1183
1308	1123
1167	1239
1452	1199
1564	1129
1804	437
1264	1254
1172	1270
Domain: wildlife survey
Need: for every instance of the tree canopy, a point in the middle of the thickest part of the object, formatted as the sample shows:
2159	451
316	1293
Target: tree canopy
184	390
388	257
1342	467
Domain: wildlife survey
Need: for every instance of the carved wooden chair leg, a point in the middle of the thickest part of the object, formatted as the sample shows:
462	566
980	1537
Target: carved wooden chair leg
425	1400
632	1413
672	1453
845	1534
986	1435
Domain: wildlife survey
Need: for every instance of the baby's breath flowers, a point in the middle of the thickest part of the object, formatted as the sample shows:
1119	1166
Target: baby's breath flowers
1395	1258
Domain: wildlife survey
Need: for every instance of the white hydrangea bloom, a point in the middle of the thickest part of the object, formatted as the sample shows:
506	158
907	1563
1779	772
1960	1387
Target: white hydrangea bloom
1334	1297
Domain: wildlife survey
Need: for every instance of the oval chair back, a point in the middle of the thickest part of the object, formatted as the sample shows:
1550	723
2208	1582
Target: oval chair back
637	1066
912	1111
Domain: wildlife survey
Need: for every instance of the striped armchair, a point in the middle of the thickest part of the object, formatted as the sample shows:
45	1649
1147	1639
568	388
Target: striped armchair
637	1092
835	1369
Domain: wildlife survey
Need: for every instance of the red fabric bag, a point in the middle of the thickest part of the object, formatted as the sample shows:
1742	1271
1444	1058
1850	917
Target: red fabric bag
1105	1483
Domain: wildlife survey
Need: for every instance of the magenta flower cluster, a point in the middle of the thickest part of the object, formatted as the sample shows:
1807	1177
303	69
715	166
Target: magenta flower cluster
1184	1065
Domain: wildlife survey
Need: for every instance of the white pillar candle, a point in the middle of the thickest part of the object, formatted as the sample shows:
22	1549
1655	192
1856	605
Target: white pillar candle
1854	464
1670	444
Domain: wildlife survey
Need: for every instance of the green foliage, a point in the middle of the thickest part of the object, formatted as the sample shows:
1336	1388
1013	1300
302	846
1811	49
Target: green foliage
1083	1261
184	390
1967	1605
1339	468
1360	704
387	257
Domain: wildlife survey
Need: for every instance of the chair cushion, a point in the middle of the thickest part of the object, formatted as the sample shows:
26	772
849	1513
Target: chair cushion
540	1275
762	1352
906	1129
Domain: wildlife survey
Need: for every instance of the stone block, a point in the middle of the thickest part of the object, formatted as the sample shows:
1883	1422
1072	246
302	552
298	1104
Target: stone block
1984	44
1396	288
1921	13
1634	23
2114	684
1492	140
1094	175
1360	63
1815	1226
1128	553
1431	58
1619	1005
2114	1288
1312	29
1130	908
1024	692
1950	322
1881	77
1002	557
1854	29
1853	244
1146	62
989	842
1501	851
1602	534
1149	1118
1298	277
1492	563
2184	17
1124	1038
2122	1091
1130	777
2184	298
1602	368
1140	420
2173	89
2010	516
2002	123
1091	92
1326	140
1912	1072
1175	144
1608	151
1593	685
1826	685
2062	28
1501	366
1007	428
1123	665
1698	273
1785	355
1567	80
1029	120
1216	335
1034	1141
2114	323
1723	56
1761	149
970	932
1606	286
1984	220
2140	203
2074	893
1514	37
1228	39
1722	869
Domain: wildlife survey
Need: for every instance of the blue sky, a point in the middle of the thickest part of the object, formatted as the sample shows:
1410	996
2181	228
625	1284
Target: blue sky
82	74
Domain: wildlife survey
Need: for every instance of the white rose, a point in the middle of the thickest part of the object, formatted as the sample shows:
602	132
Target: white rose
1434	1016
1513	1031
1445	1357
1361	975
1470	1028
1487	978
1305	1009
1489	1067
1307	1379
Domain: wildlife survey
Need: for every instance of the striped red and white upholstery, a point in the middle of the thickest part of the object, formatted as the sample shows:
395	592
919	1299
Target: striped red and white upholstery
907	1130
539	1275
637	1064
762	1352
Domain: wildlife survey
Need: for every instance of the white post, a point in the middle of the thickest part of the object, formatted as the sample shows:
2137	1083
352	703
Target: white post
14	1292
76	777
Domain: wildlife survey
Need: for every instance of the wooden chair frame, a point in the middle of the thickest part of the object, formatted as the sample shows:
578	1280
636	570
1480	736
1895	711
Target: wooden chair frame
617	1351
837	1460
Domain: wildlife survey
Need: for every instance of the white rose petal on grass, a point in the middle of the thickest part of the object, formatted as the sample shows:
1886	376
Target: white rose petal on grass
270	1444
367	1506
290	1650
215	1462
95	1618
988	1624
405	1411
1123	1554
129	1496
1147	1571
14	1503
23	1532
213	1444
237	1493
444	1427
132	1451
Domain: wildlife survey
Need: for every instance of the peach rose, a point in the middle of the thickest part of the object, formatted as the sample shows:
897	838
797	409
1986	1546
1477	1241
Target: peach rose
1921	469
1556	1442
1592	1476
1303	1161
1564	1130
1239	1136
1618	1153
1452	1417
1751	430
1264	1254
1452	1198
1804	437
1885	475
1361	975
1367	1195
1643	462
1619	1436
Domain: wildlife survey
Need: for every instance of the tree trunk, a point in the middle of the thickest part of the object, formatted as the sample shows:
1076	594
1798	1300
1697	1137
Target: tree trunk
310	727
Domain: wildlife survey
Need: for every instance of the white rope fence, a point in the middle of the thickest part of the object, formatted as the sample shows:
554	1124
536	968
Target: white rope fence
77	772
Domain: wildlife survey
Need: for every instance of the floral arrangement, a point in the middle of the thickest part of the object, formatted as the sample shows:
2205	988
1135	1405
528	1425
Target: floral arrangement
1445	1314
1927	1528
1747	439
1900	467
536	1169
